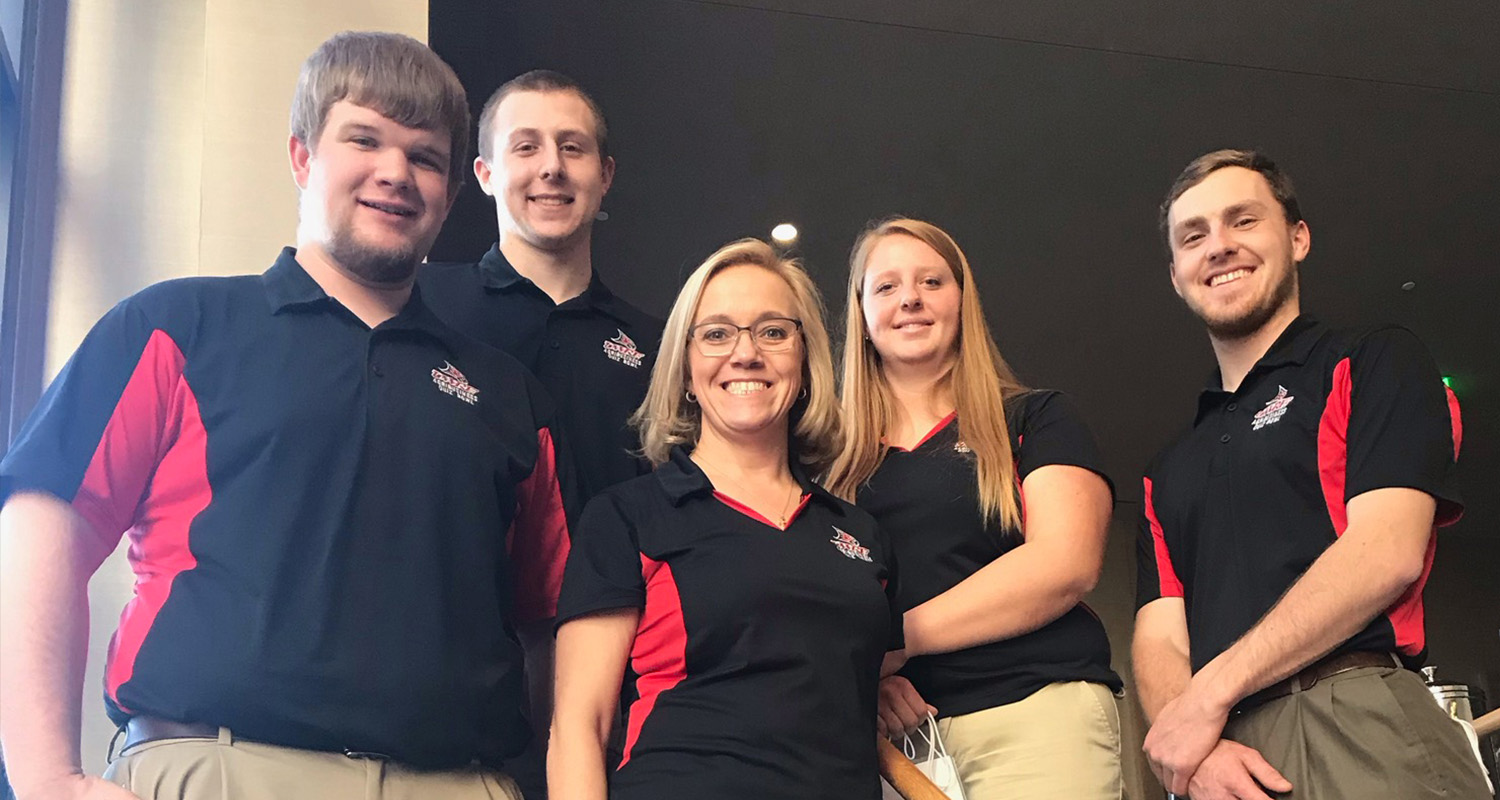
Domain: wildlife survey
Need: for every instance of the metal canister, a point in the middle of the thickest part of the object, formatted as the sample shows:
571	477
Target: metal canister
1453	698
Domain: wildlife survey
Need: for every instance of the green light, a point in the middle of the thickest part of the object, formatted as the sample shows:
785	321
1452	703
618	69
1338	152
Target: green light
1448	381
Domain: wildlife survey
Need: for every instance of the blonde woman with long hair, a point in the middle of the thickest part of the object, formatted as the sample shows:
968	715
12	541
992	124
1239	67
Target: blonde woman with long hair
943	445
752	608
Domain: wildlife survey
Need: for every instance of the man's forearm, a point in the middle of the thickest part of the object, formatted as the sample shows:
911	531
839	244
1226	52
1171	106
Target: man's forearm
1161	674
1159	653
47	554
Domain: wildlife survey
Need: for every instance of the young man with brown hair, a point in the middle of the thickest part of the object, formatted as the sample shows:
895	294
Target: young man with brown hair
338	506
544	158
1288	534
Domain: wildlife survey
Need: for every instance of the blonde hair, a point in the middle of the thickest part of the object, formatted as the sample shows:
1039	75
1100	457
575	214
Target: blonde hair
980	380
666	419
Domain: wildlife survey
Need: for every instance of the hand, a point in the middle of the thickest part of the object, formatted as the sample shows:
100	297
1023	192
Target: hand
1233	771
902	710
1184	733
75	787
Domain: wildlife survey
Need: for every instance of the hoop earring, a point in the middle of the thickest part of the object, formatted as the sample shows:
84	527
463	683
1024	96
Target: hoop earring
802	395
691	398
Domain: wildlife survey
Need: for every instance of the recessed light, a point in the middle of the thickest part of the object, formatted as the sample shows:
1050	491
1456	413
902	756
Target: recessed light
786	233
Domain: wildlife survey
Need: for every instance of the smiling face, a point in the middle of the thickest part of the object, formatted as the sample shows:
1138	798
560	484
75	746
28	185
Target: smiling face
747	394
910	301
374	192
1234	256
545	172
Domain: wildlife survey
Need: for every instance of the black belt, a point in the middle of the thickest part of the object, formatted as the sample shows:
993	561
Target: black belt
142	729
1317	671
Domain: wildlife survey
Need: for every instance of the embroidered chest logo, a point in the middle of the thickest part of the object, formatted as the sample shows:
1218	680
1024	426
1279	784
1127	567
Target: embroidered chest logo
622	349
453	382
1275	409
850	546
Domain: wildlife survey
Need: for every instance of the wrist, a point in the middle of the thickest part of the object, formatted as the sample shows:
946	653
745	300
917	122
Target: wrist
1214	690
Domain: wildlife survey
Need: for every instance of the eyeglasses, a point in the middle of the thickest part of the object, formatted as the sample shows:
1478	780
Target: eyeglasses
772	335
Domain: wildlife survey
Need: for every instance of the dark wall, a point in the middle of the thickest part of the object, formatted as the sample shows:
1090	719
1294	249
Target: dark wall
1042	136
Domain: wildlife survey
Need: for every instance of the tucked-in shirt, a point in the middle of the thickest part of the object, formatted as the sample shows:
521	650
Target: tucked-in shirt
757	657
332	527
927	500
1239	506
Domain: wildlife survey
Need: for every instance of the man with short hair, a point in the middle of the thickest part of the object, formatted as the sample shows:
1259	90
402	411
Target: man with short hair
339	507
544	158
1288	534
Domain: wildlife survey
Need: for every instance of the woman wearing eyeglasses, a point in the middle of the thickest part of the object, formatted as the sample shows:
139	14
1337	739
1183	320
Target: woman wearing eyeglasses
995	501
749	609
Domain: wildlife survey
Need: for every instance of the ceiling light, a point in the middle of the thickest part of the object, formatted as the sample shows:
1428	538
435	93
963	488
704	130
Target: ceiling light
785	233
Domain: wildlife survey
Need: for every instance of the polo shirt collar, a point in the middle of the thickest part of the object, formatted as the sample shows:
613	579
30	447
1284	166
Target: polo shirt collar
496	272
288	285
1292	348
681	478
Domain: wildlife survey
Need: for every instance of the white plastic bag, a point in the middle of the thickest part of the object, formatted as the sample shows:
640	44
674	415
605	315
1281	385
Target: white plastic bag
937	765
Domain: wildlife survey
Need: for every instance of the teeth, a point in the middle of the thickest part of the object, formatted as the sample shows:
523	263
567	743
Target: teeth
1228	276
399	211
552	201
745	387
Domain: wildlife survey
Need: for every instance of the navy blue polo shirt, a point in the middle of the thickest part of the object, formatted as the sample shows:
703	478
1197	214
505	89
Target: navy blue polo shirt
927	500
593	353
1239	506
333	528
757	657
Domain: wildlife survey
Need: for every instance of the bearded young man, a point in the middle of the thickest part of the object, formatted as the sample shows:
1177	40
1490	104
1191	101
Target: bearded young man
338	505
1288	534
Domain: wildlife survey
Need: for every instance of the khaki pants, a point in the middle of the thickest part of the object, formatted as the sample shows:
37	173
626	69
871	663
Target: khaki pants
1372	733
225	769
1061	742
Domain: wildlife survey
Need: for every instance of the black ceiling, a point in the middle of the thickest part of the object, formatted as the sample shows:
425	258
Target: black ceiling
1042	135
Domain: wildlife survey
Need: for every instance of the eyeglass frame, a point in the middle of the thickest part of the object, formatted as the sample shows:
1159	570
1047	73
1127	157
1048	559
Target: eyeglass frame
739	329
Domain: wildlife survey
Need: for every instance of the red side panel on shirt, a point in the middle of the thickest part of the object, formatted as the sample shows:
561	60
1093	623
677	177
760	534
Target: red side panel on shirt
1406	614
540	551
155	430
659	655
1168	584
1333	447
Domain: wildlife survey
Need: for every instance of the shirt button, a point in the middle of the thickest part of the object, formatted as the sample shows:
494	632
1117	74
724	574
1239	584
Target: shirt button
379	373
1231	406
556	344
1224	438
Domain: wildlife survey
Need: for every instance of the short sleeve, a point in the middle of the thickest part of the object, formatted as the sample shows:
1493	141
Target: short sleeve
97	433
1155	575
604	567
1050	430
1401	430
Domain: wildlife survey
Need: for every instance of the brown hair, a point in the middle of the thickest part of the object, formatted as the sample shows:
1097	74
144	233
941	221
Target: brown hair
538	80
980	379
393	74
1209	163
666	419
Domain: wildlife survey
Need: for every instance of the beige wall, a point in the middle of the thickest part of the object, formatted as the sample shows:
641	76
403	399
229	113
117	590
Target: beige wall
173	163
